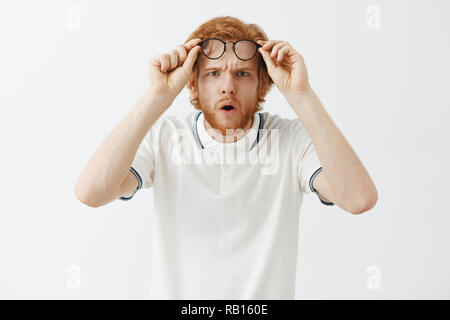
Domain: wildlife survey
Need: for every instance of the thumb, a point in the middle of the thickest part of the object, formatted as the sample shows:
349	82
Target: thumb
267	59
190	59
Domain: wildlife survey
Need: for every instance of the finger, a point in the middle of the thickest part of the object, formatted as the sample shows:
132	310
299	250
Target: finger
267	59
173	56
275	49
182	54
261	42
165	62
281	54
269	44
192	43
190	59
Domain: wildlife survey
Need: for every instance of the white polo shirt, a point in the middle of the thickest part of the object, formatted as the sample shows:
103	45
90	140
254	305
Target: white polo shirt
225	218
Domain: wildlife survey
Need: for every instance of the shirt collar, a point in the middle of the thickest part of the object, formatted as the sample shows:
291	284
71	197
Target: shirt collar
246	142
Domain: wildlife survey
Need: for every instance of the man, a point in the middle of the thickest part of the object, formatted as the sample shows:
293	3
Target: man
226	227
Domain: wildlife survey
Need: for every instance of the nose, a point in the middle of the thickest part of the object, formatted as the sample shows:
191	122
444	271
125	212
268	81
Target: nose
228	85
225	91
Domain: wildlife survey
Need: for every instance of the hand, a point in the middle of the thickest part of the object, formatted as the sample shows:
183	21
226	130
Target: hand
285	66
169	71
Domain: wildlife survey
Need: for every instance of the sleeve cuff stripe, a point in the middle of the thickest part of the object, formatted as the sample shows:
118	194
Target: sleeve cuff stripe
312	178
312	189
138	177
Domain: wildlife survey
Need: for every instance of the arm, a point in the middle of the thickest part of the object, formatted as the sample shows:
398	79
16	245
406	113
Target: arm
343	180
106	176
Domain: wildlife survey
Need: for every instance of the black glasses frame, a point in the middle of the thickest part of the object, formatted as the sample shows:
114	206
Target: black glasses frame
257	45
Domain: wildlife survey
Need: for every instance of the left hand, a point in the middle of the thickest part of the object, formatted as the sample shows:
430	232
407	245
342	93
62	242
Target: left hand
285	66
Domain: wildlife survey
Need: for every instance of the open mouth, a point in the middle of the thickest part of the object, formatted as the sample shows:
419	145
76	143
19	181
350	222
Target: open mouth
228	109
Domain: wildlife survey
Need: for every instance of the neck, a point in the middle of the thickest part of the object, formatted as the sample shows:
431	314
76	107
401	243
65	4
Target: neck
234	135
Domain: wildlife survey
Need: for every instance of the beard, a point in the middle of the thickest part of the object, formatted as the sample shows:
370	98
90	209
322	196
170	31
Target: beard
240	118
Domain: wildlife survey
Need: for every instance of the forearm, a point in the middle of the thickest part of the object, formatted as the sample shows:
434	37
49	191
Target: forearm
348	179
108	167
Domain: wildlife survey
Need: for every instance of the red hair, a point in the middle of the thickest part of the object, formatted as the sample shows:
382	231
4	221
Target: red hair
230	28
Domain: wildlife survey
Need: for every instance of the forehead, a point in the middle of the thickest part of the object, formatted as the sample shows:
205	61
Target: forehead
226	61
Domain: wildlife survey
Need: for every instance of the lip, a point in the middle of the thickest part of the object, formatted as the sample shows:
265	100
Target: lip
228	103
228	111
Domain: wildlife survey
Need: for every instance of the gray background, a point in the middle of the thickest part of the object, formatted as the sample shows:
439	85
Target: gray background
71	70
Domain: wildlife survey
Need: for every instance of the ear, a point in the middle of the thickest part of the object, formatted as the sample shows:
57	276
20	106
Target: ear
192	81
192	89
262	92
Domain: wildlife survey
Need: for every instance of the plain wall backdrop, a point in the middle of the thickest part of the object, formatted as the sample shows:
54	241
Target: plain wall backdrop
71	70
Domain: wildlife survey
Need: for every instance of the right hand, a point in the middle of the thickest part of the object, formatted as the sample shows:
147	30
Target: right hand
169	71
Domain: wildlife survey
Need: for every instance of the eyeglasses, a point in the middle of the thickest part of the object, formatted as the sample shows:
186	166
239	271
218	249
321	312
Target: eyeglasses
214	48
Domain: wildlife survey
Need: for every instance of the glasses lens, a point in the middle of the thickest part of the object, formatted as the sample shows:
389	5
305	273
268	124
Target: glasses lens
213	48
245	49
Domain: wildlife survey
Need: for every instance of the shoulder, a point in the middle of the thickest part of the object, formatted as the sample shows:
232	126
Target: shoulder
287	127
168	123
293	136
169	128
176	121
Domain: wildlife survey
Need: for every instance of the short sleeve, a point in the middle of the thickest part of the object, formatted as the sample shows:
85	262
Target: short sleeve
308	163
143	165
313	190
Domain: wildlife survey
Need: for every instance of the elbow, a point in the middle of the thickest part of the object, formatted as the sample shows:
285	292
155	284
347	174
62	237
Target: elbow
85	196
366	203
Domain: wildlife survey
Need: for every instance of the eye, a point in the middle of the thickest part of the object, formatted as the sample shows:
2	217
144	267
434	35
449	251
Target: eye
245	73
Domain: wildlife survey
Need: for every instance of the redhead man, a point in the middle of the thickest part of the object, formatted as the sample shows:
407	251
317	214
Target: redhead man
228	179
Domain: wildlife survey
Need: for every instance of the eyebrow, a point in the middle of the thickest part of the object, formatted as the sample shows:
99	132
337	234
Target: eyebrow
246	68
